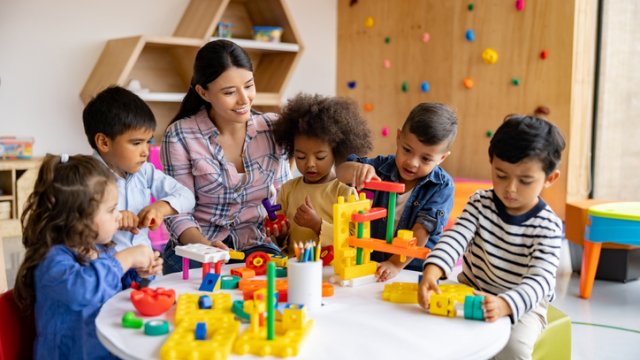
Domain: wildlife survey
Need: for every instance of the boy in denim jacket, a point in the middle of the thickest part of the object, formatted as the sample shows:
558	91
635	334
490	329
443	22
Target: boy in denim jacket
423	144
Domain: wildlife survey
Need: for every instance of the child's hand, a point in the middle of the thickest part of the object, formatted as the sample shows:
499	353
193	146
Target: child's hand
363	173
136	257
278	231
494	307
129	222
154	269
153	215
429	284
306	216
387	270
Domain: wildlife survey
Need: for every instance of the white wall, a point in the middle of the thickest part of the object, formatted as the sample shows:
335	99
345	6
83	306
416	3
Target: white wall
48	48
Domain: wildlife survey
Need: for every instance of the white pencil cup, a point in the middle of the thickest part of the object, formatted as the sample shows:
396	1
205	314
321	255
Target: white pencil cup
305	283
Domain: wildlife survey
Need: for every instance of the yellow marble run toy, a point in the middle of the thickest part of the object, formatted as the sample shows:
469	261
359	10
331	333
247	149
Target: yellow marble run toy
352	254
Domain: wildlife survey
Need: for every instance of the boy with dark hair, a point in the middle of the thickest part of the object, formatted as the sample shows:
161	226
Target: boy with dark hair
423	144
510	237
119	126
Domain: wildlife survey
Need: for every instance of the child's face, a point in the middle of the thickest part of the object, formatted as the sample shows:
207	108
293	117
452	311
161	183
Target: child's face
231	96
519	185
127	152
107	218
314	159
416	160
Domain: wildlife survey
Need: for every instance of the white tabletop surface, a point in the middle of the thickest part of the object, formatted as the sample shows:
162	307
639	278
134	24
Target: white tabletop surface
353	324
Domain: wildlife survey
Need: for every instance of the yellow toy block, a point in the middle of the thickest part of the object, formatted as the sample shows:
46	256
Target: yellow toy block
405	239
356	271
444	304
401	293
222	329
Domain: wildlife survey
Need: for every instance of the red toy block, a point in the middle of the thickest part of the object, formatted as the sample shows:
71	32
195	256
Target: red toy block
326	255
243	272
153	302
385	186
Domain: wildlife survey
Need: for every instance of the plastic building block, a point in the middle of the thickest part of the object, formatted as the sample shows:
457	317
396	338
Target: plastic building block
271	208
236	255
222	329
425	87
210	282
130	321
373	214
201	331
204	302
202	253
229	282
468	83
385	186
281	272
455	300
273	221
489	56
238	309
280	260
544	54
152	302
326	255
376	244
473	307
156	327
469	35
257	261
519	5
243	272
401	293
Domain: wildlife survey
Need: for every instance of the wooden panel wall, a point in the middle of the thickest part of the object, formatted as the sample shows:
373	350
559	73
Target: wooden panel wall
448	58
617	169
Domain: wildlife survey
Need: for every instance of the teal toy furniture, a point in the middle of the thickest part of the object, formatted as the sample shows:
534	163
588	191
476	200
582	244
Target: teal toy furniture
555	341
618	223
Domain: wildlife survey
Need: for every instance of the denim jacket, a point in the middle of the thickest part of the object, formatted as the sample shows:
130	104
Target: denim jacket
429	204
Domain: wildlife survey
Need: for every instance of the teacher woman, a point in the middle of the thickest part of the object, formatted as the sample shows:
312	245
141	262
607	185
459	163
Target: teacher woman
226	154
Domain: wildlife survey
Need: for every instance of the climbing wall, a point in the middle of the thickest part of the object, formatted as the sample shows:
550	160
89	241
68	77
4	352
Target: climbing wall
486	59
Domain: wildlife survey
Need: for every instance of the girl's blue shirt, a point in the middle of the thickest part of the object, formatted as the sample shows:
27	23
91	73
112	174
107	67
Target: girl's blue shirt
69	296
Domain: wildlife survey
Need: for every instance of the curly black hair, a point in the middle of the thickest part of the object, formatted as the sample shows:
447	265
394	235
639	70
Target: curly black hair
336	120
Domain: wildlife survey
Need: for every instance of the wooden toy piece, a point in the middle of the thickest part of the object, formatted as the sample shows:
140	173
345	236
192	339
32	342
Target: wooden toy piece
152	302
202	253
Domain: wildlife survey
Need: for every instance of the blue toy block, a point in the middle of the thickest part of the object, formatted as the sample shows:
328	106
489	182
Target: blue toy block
204	302
201	331
209	282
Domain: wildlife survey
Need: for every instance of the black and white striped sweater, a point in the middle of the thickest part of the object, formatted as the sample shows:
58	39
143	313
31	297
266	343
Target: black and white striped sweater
514	257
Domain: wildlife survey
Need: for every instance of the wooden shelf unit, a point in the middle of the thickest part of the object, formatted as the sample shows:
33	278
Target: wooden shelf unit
16	182
163	65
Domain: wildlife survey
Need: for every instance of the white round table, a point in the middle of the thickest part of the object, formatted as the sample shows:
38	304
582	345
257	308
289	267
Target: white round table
353	324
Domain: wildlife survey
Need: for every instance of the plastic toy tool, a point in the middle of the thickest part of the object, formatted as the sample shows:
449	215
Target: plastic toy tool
274	221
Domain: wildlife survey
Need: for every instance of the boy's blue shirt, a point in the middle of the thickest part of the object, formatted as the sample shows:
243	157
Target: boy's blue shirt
134	194
69	296
429	204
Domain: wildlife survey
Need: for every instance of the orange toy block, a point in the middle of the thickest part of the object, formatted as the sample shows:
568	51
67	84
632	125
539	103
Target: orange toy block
380	245
243	272
405	239
386	186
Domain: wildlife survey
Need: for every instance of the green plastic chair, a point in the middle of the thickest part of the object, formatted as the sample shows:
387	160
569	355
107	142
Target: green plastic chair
555	341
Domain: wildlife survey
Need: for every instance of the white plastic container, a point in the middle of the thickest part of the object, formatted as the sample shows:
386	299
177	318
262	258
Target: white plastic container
305	283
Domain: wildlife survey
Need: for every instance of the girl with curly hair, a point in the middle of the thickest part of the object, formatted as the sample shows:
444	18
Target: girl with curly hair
318	132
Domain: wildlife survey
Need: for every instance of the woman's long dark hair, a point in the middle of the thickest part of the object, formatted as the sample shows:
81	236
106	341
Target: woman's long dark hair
211	61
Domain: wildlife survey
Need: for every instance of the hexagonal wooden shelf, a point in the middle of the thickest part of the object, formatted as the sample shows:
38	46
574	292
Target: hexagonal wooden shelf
163	65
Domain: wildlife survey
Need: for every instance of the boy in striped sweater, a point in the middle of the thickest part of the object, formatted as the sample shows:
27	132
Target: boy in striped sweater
508	236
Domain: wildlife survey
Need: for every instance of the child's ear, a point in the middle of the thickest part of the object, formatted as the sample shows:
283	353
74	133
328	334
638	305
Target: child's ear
103	143
444	156
551	178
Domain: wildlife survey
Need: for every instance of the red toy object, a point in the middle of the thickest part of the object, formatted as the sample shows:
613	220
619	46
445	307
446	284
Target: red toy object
544	54
275	224
384	186
258	262
326	255
152	302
